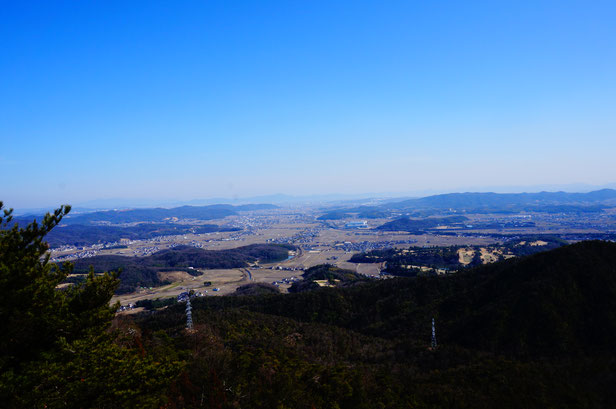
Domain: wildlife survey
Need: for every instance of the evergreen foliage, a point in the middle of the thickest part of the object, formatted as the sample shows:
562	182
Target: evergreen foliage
257	289
419	225
55	347
333	276
533	332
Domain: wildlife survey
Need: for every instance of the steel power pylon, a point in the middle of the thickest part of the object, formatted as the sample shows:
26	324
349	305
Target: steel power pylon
433	335
189	323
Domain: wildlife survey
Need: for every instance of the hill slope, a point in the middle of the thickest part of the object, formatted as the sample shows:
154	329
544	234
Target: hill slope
412	225
556	302
561	301
514	334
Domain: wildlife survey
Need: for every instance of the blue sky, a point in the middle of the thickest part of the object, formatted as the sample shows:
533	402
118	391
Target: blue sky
184	100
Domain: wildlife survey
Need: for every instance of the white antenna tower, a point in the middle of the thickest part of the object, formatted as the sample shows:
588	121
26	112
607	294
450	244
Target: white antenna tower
189	323
433	334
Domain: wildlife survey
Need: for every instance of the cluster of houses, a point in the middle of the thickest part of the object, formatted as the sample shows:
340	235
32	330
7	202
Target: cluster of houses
360	224
74	256
128	307
146	251
285	281
284	268
303	237
363	246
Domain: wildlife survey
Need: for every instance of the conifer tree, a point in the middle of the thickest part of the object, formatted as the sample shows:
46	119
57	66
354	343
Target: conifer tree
56	349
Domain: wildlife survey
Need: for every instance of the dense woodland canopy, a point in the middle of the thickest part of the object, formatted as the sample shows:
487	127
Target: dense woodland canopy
328	274
530	332
419	225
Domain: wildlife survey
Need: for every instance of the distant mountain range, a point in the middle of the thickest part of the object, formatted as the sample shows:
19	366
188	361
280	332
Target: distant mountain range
479	200
119	203
476	202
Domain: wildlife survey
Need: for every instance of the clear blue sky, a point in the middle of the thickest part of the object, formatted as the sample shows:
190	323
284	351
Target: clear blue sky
183	100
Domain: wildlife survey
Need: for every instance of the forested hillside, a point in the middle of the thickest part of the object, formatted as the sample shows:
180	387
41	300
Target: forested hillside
419	225
532	332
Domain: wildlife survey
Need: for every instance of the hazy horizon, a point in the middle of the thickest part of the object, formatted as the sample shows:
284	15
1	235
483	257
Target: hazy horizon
282	198
179	102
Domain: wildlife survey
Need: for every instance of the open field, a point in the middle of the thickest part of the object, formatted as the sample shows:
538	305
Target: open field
226	280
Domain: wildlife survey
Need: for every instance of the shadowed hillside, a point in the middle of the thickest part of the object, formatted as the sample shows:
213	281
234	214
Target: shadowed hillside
558	301
411	225
533	332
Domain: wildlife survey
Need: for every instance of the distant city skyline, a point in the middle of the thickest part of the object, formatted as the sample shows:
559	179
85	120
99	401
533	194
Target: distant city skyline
177	102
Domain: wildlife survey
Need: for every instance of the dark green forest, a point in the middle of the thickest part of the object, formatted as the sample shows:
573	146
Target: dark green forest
334	276
530	332
420	225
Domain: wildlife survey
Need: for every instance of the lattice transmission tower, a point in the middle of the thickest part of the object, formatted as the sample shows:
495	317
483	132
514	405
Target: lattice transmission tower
433	335
189	323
